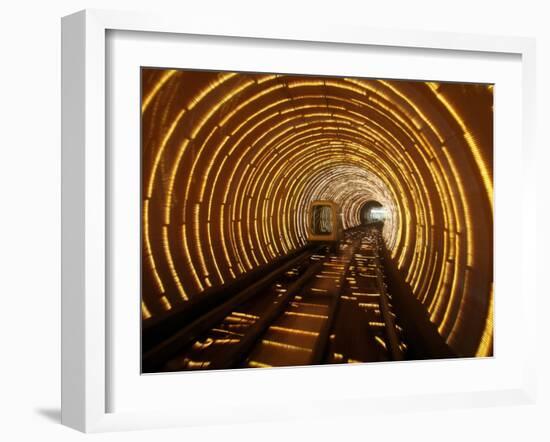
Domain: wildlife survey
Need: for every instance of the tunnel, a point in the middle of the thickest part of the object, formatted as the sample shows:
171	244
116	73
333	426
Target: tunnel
373	211
232	163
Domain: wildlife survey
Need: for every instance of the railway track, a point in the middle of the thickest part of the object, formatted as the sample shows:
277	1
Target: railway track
322	307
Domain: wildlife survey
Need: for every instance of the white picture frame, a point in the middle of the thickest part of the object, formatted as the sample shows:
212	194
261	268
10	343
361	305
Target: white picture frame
86	316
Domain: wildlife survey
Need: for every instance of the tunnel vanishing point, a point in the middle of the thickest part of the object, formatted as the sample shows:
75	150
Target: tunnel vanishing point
233	165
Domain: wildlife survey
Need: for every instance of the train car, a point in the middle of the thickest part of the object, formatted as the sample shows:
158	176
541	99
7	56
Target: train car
324	222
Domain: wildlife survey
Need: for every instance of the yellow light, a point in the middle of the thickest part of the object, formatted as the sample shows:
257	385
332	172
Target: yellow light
286	346
171	266
169	73
165	303
145	313
256	364
486	343
148	251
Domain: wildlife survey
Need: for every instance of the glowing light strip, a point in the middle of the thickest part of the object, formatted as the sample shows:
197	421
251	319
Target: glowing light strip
148	251
486	343
171	266
481	164
156	88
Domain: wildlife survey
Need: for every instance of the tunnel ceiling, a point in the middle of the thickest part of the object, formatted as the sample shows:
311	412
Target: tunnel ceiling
231	161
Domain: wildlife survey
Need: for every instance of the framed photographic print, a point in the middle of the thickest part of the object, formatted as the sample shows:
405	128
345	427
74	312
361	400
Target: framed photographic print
270	223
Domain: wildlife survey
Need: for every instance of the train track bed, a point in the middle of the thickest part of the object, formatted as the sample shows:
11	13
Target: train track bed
361	331
329	308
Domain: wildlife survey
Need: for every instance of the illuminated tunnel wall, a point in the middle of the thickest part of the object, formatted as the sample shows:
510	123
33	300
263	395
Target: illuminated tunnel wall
231	161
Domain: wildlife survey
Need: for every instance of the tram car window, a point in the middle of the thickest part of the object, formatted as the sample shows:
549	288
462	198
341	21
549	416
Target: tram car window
324	222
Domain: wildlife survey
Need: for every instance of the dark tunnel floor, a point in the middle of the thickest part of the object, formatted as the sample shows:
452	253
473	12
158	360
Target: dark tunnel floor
331	308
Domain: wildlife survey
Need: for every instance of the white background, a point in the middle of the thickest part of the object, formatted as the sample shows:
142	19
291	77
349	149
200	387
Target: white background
30	217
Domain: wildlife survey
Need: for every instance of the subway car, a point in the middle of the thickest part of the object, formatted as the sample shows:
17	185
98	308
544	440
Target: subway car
324	223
